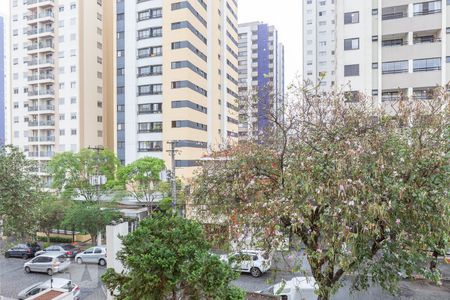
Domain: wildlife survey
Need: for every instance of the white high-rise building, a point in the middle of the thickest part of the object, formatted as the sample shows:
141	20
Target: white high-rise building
261	74
62	75
383	48
392	49
319	42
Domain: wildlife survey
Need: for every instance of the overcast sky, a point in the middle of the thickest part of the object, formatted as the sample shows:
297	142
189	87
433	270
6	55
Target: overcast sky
284	14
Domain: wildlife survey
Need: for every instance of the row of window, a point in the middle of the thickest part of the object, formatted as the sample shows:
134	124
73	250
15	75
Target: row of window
186	24
189	65
394	67
187	5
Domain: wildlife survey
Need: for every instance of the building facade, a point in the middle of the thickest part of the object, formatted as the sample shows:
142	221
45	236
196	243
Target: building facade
176	79
62	76
391	49
261	76
2	84
319	42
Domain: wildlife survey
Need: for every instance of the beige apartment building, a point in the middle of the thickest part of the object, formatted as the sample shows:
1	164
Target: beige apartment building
176	79
62	76
392	48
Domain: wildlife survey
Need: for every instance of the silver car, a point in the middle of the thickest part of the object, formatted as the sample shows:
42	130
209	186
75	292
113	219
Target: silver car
95	255
59	283
49	263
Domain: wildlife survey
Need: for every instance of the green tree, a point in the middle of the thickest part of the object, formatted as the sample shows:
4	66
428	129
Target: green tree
141	180
72	173
20	192
168	258
363	190
90	218
50	214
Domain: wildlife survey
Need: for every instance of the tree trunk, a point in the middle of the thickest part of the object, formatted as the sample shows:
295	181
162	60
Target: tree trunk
47	233
93	239
324	297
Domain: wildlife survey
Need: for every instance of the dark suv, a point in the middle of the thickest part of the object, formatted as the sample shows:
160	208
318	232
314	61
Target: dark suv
24	251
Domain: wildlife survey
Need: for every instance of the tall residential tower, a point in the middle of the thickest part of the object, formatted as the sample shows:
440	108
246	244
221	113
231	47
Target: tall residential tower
390	49
261	76
61	75
319	42
176	79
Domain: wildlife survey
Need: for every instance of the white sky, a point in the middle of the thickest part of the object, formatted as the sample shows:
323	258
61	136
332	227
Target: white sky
284	14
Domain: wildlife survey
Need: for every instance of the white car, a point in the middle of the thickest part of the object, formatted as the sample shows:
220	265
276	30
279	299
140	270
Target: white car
296	288
59	283
49	263
96	255
255	262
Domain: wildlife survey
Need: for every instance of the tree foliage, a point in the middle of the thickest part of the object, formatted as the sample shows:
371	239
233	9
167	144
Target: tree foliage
364	189
141	179
20	192
90	218
72	172
167	258
50	214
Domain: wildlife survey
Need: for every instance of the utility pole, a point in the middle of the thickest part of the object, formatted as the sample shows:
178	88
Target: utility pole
98	180
173	177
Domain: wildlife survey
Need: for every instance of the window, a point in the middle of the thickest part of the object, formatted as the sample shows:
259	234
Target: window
150	108
374	65
149	33
395	67
426	8
150	52
189	104
148	127
149	146
189	124
351	17
150	89
351	44
150	70
374	12
428	64
120	126
351	70
150	14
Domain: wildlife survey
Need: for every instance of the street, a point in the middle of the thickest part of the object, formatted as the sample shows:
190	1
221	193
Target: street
13	278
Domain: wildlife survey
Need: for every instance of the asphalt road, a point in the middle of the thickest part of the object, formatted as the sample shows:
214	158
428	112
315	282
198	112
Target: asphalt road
13	278
411	290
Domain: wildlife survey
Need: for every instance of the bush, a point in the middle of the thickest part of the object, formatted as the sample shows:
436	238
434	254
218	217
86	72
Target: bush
55	239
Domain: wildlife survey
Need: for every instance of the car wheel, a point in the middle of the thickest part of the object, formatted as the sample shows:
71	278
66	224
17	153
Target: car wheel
50	272
255	272
79	260
27	269
7	255
25	256
102	262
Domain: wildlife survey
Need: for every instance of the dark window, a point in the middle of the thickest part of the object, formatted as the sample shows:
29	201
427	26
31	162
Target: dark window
189	124
150	108
351	70
187	163
351	44
189	104
351	17
189	65
395	67
186	24
428	64
187	44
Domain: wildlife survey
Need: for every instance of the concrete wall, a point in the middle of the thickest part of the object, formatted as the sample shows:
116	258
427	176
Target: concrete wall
114	244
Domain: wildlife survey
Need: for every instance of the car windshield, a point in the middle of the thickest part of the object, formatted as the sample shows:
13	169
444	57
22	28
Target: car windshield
62	258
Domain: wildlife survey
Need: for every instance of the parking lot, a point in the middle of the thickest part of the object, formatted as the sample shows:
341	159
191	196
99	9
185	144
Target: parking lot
13	278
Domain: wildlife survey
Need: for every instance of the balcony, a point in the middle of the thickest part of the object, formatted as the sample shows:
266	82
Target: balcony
41	17
41	77
41	3
43	139
396	15
41	47
36	62
41	108
427	12
44	123
46	154
426	39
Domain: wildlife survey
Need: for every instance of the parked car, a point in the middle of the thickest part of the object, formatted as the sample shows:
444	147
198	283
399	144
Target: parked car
92	255
24	251
296	288
59	283
255	262
69	249
49	263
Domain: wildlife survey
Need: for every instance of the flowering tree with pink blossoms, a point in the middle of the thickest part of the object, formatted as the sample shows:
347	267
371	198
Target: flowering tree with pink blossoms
363	187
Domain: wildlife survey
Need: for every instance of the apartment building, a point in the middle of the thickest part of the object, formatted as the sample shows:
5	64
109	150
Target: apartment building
319	42
176	79
62	76
2	83
392	48
261	77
